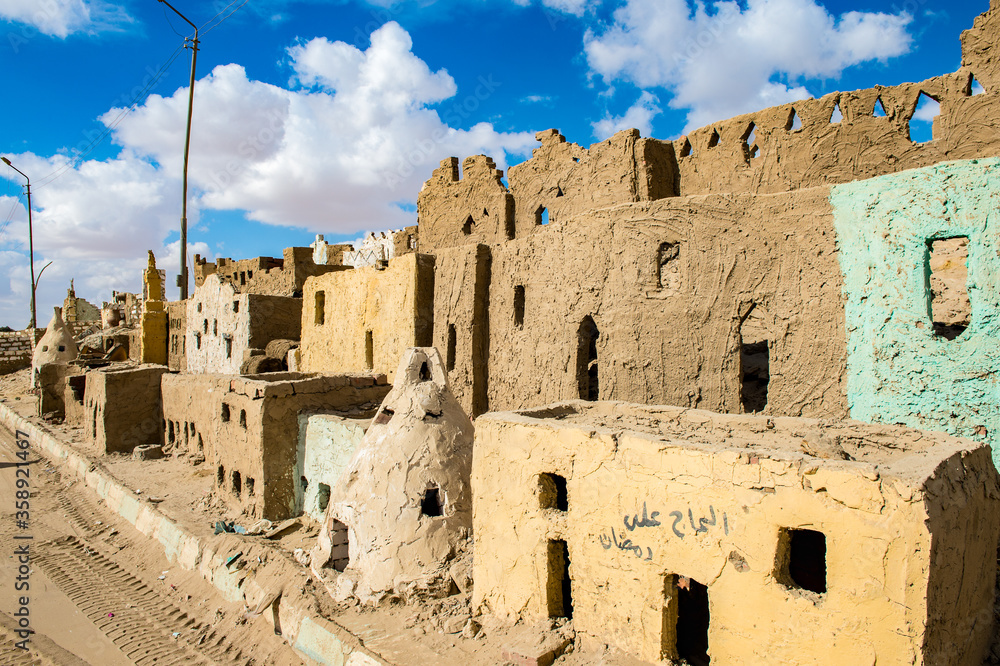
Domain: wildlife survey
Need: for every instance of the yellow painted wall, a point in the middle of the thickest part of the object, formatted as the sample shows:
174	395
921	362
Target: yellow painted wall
395	304
723	488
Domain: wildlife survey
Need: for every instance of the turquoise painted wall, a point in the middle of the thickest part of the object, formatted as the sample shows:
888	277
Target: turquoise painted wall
898	370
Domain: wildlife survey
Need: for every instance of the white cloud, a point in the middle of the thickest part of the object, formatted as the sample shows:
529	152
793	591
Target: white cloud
737	60
640	115
344	149
61	18
354	135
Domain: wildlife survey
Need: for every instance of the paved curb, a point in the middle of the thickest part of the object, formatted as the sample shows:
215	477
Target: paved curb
308	634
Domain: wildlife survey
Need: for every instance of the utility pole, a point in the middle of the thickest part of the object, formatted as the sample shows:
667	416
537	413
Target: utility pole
182	279
31	246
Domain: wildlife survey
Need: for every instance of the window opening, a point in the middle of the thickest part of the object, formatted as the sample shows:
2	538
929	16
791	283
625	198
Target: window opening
541	216
692	621
323	496
250	487
243	278
552	493
922	120
559	191
243	418
170	432
430	505
198	307
341	541
974	87
320	308
236	306
201	445
878	111
794	123
204	326
686	148
836	116
237	485
229	345
668	272
225	413
220	476
452	341
469	225
586	360
948	292
369	350
558	588
715	139
750	141
802	562
754	362
197	340
425	372
519	305
215	327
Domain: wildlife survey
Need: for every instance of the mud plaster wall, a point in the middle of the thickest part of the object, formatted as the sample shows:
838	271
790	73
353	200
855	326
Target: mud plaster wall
256	435
395	305
461	321
122	408
224	325
177	336
910	547
326	445
52	387
673	336
899	371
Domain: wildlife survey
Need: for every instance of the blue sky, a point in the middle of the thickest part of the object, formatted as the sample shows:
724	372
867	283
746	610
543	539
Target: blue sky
326	116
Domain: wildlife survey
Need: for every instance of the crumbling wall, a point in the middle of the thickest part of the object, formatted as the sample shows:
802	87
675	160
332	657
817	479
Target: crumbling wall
665	290
473	208
53	380
265	275
247	428
177	334
901	369
560	180
461	322
798	145
363	320
224	326
807	541
123	407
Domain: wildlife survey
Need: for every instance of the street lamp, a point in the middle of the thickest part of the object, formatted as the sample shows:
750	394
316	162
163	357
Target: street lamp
182	279
31	244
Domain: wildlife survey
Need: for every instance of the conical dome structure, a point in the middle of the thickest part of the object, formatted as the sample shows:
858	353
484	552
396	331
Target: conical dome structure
56	346
402	511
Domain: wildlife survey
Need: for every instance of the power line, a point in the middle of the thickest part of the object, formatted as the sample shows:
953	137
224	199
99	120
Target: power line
139	97
224	18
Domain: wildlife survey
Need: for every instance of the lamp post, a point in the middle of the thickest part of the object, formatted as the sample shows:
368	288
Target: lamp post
182	279
31	244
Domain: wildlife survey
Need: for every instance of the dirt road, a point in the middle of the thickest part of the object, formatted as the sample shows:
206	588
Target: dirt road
95	591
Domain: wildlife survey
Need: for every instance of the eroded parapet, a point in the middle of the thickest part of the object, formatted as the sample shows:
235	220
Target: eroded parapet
846	136
247	429
473	208
683	534
266	275
560	180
